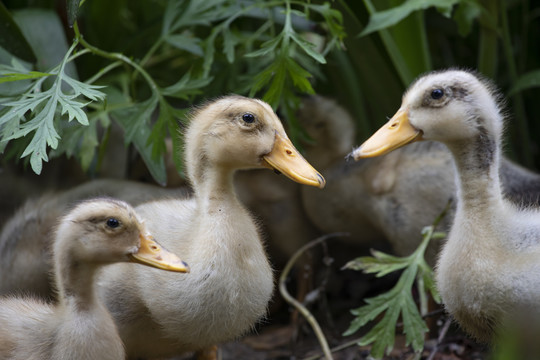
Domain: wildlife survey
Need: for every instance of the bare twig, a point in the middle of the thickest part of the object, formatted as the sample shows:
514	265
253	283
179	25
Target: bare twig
442	334
301	308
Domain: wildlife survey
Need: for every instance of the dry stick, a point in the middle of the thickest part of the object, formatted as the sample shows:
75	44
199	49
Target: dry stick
301	308
444	330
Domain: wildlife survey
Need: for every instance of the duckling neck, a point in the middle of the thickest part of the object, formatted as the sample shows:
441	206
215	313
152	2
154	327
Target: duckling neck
76	285
215	188
477	164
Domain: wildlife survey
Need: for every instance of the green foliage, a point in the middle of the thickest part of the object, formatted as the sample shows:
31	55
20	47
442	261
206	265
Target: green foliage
195	41
45	108
526	81
397	302
163	56
383	19
12	38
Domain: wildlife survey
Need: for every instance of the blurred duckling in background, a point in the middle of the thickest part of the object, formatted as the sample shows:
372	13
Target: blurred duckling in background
94	234
392	197
277	202
488	272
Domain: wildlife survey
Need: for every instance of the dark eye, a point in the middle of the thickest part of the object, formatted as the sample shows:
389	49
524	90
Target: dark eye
249	118
437	94
113	223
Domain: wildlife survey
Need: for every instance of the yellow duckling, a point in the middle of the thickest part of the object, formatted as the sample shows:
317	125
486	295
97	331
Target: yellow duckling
231	280
95	233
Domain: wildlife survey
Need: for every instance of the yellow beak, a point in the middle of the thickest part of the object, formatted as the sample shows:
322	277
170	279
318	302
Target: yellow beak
397	132
152	254
286	159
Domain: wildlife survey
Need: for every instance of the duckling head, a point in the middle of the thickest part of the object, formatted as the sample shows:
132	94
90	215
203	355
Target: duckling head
446	106
103	231
236	132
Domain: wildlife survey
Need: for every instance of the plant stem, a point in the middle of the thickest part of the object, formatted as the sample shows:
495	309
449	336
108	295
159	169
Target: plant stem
116	56
103	71
301	308
487	50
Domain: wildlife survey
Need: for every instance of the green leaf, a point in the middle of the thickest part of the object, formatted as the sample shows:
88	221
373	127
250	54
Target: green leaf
309	48
73	108
526	81
413	325
36	111
395	302
45	32
135	120
466	13
299	76
266	47
229	42
12	38
87	90
387	18
185	42
5	77
186	87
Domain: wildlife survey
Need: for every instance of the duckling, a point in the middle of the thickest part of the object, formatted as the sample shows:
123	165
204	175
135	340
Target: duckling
488	272
26	238
231	281
95	233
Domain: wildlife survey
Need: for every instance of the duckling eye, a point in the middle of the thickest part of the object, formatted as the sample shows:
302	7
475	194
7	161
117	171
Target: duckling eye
113	223
437	94
248	118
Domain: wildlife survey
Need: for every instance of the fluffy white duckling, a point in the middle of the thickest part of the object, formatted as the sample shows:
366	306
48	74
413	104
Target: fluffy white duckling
95	233
231	280
489	270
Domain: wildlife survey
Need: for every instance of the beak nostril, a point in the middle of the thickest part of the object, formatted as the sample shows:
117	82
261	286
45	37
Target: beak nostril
154	247
289	152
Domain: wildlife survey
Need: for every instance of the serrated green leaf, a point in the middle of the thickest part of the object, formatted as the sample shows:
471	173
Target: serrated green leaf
88	145
38	111
413	325
136	117
266	47
277	83
382	334
229	42
135	121
385	19
186	87
299	76
87	90
73	108
397	301
186	42
309	48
